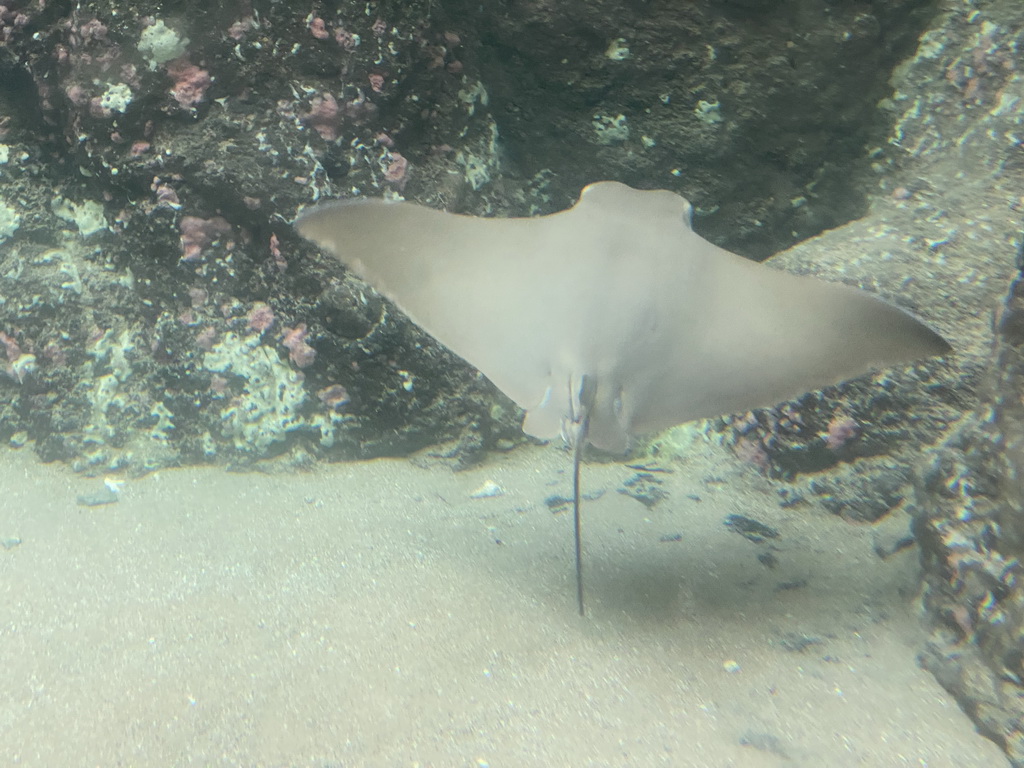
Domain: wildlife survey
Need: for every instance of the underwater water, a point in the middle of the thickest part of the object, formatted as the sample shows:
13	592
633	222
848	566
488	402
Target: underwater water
379	614
202	561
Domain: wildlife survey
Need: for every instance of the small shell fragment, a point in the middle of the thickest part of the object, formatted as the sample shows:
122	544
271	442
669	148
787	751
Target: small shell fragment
487	490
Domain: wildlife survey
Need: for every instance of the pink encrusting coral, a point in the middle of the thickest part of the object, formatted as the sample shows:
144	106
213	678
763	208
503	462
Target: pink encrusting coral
323	116
397	172
93	29
346	39
239	29
11	21
299	351
206	338
326	115
198	296
190	82
165	195
841	430
199	234
261	317
280	262
318	29
12	350
334	396
19	364
751	449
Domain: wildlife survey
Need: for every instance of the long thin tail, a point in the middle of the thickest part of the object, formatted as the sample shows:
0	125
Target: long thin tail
574	432
577	453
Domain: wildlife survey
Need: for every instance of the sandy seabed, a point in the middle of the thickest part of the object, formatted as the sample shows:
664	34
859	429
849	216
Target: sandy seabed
377	614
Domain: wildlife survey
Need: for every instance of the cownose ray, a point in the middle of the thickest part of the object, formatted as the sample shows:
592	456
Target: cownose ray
614	318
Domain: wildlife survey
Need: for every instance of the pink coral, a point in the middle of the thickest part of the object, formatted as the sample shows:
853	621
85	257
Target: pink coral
261	317
198	296
206	337
165	195
11	21
190	82
397	172
326	116
275	253
345	39
11	347
323	116
97	110
238	30
299	351
198	234
334	396
841	430
93	30
76	94
318	29
53	352
750	449
19	364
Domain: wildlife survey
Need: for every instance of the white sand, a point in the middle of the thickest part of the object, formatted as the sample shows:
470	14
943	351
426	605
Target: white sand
364	615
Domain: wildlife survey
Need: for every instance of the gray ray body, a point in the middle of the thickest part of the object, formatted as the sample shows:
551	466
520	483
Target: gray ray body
620	293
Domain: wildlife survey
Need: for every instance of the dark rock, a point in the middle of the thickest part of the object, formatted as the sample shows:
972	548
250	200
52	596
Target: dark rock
715	98
146	350
750	529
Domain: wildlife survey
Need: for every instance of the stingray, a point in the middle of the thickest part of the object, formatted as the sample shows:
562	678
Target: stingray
614	318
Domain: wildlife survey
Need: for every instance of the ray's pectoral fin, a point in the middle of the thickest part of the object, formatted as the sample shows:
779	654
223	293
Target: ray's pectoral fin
545	420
